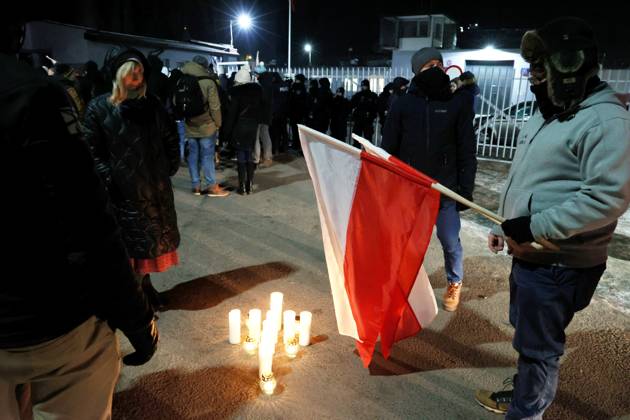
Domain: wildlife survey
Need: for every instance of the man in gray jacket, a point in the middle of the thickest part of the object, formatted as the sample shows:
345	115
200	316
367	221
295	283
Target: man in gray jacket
568	184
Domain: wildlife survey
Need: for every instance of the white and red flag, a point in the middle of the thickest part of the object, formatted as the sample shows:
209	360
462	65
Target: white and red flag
377	216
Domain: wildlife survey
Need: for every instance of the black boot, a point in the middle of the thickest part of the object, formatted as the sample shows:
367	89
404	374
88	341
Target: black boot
249	186
242	176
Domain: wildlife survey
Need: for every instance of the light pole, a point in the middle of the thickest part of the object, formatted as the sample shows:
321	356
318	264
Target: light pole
308	48
244	21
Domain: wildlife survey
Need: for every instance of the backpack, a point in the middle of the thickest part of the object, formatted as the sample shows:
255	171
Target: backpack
188	98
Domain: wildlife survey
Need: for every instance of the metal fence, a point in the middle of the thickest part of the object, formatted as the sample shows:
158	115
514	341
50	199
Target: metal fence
503	106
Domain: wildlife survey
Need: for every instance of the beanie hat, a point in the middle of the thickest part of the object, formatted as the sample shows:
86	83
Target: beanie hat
130	55
242	77
201	60
365	82
422	57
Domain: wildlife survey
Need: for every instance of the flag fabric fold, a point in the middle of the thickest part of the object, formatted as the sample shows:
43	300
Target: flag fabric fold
377	216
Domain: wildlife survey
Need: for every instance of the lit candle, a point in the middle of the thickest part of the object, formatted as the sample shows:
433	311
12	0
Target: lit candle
265	358
276	307
289	325
265	362
249	345
306	319
235	326
254	323
276	301
291	346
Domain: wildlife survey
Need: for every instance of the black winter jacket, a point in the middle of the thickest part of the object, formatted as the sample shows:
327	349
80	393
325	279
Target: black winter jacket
136	150
434	136
246	112
69	261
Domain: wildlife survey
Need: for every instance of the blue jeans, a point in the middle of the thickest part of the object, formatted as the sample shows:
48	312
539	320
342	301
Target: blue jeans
448	226
201	150
543	300
181	131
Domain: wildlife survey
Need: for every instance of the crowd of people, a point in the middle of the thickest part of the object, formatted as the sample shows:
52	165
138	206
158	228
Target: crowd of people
95	211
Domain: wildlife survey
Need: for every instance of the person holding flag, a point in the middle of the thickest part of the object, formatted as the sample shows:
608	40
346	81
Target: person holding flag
431	130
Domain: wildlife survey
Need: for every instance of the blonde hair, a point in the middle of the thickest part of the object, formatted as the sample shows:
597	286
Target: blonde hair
119	91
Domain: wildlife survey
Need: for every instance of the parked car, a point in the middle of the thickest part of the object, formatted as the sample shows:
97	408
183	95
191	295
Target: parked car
502	128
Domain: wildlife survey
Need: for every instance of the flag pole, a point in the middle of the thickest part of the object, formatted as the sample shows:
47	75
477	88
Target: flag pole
289	57
493	217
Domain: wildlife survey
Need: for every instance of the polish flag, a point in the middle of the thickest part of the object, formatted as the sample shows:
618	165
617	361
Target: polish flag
377	216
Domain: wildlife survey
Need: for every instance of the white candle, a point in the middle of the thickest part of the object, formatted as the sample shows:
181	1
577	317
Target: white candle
265	358
276	301
254	323
235	326
306	319
289	325
276	307
269	331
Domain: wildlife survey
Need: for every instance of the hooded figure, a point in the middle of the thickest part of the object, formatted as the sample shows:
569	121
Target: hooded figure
245	114
364	111
383	103
466	84
298	109
322	106
339	115
568	185
399	88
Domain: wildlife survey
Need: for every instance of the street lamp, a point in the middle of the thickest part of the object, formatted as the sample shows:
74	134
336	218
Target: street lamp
244	21
308	48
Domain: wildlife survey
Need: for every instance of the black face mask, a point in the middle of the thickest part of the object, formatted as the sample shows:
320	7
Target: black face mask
546	106
434	83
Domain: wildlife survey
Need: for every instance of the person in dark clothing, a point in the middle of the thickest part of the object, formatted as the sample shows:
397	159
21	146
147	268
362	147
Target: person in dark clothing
466	84
431	130
279	114
136	150
157	83
364	111
75	285
322	108
298	106
339	115
383	103
399	88
311	102
241	128
91	83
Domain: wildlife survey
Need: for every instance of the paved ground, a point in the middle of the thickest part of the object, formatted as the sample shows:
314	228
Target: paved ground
237	250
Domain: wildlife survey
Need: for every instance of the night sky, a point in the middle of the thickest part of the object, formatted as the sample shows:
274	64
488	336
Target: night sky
334	26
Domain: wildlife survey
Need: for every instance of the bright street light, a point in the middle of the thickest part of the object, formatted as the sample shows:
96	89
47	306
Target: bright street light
308	48
244	21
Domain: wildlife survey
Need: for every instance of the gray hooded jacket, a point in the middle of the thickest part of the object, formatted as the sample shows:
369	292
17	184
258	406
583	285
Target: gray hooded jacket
573	178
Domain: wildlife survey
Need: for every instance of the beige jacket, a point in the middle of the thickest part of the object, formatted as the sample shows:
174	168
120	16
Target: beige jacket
207	124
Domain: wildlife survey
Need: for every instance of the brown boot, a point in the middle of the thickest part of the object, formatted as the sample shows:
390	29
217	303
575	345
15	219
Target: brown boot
451	297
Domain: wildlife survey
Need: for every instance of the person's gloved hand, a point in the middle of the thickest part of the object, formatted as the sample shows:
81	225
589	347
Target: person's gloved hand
462	207
144	341
518	229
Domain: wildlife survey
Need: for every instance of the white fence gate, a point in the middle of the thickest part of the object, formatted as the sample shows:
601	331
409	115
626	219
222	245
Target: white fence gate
503	106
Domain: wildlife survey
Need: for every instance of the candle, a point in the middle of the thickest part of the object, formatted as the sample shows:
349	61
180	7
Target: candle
306	319
265	362
276	307
269	332
235	326
249	345
254	323
265	358
289	325
276	301
292	346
